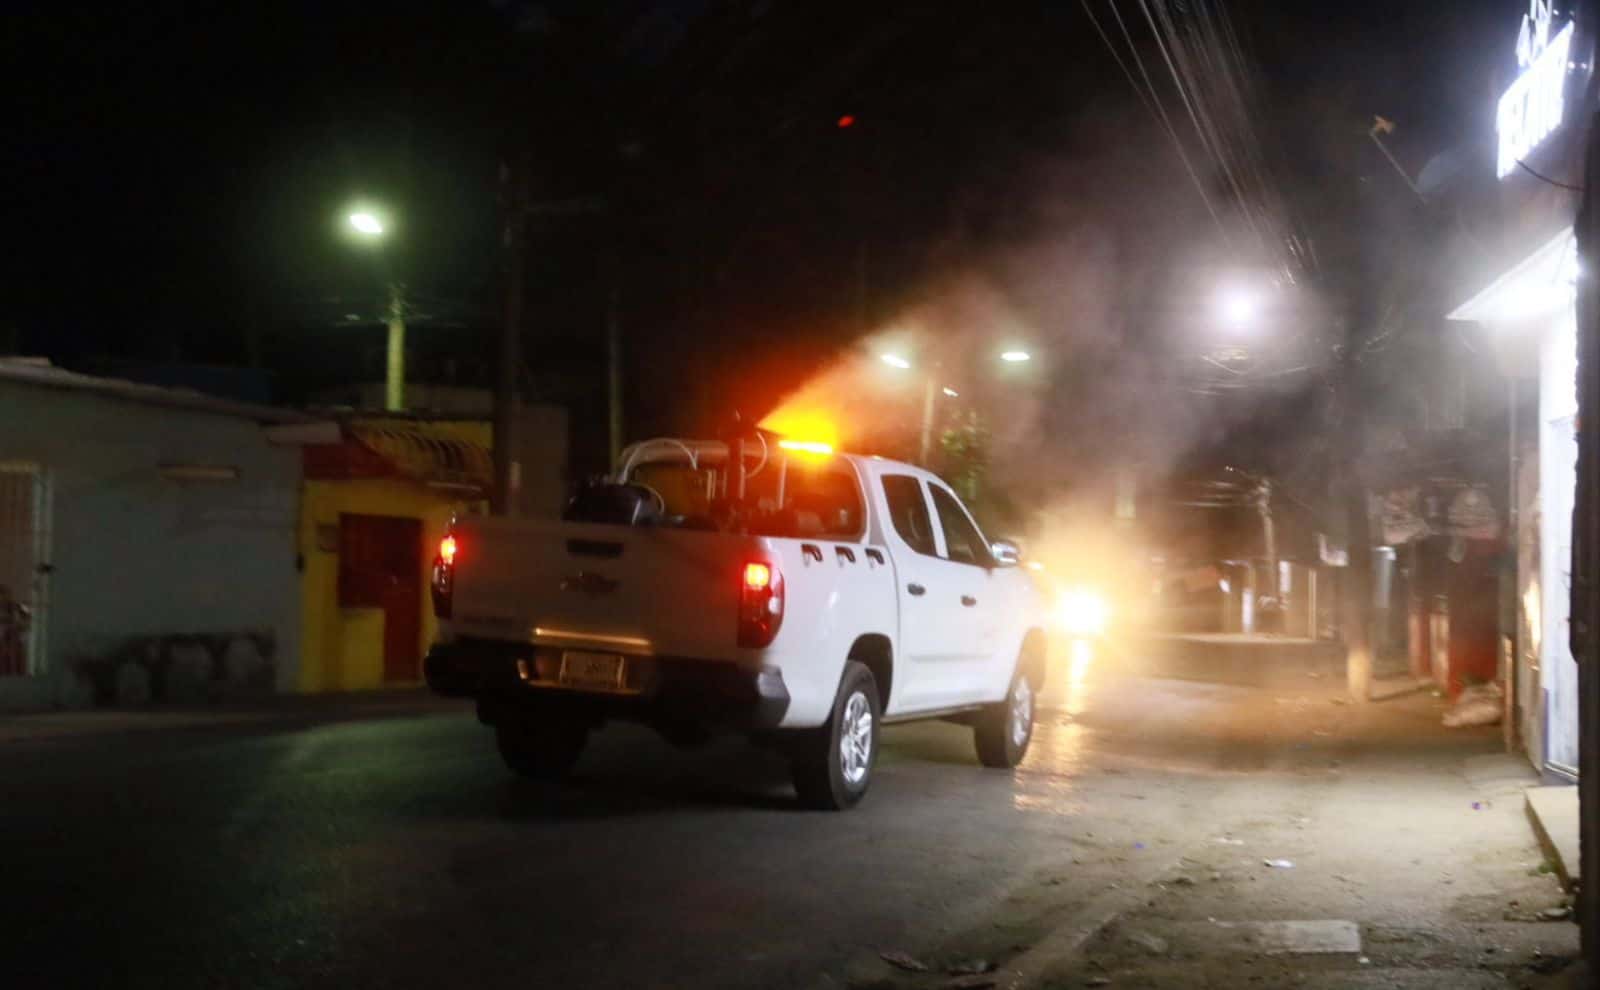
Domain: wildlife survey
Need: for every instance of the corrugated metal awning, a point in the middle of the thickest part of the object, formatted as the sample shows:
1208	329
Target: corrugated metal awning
442	461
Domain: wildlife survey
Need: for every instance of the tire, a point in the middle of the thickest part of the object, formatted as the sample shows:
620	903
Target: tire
543	748
833	766
1003	731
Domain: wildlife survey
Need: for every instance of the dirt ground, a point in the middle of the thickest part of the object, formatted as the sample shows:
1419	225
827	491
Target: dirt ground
1317	844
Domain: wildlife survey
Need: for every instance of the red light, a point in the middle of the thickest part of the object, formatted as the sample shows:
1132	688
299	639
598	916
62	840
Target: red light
442	587
846	121
760	604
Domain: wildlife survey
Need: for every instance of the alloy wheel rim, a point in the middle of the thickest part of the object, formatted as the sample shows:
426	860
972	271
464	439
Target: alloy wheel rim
1021	711
855	740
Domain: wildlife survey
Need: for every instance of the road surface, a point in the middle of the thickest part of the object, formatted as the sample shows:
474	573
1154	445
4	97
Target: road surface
396	851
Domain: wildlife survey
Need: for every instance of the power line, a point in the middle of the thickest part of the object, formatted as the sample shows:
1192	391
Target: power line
1126	73
1210	137
1166	123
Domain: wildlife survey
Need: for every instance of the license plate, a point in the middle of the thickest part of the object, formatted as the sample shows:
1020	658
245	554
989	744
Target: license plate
594	671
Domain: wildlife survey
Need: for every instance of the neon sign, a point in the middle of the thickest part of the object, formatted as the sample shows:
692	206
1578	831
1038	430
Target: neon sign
1533	106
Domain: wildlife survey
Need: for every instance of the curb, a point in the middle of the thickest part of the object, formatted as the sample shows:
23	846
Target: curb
1543	830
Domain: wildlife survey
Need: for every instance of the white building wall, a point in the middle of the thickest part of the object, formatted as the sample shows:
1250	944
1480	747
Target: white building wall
1558	463
135	553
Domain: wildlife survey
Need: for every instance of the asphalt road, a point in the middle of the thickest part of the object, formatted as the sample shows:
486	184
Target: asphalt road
398	852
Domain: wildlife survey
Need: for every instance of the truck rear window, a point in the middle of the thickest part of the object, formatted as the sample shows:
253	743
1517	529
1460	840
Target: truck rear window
800	499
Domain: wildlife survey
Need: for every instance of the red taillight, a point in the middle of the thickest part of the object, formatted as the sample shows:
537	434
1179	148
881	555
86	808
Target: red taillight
442	587
760	604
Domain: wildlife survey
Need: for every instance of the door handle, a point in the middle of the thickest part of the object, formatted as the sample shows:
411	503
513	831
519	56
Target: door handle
916	589
968	601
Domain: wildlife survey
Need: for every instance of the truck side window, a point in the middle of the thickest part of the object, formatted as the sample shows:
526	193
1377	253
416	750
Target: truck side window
962	541
909	512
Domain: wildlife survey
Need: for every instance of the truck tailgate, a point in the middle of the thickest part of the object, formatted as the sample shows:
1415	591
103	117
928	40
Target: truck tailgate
638	590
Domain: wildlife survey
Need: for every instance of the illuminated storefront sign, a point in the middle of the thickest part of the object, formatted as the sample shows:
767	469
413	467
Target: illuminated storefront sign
1533	106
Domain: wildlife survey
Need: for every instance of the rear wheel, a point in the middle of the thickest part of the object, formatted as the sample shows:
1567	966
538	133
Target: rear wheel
833	765
542	747
1004	730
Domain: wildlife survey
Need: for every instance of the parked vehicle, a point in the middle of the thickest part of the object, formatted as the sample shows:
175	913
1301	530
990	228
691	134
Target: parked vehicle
803	597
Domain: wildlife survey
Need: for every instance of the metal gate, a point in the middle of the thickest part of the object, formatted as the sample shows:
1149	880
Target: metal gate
24	543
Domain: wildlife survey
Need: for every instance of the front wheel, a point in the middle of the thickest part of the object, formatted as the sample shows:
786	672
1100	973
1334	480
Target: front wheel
1004	730
834	764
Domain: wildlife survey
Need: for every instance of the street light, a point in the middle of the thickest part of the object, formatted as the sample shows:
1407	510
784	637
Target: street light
371	227
1238	307
931	390
366	223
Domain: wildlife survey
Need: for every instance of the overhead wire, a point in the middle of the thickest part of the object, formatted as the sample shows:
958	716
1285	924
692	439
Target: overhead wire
1174	51
1199	118
1231	66
1126	72
1166	123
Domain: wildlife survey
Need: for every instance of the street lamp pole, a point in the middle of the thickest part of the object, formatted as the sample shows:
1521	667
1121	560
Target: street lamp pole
394	389
930	390
370	226
926	447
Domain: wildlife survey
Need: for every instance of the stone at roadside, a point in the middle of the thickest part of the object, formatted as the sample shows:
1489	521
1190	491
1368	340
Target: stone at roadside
970	967
903	960
1152	943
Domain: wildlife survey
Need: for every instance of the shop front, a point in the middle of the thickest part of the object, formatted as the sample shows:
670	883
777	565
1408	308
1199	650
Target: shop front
1526	314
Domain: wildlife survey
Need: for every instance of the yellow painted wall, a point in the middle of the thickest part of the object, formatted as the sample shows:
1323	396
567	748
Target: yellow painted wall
342	649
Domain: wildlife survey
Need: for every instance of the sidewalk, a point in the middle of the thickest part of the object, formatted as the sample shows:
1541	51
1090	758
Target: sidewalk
291	709
1329	846
1389	852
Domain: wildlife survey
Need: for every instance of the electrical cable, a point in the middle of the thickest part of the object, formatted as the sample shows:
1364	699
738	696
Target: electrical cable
1172	132
1126	72
1545	178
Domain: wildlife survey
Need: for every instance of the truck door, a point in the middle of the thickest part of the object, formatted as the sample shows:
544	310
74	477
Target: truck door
971	583
933	648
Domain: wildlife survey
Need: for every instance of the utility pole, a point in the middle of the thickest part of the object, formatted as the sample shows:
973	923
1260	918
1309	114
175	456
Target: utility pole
394	386
514	205
1358	571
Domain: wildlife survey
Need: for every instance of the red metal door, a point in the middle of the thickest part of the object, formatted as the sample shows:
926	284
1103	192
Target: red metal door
380	566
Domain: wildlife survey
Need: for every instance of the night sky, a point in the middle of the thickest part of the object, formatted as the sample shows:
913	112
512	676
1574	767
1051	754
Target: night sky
174	174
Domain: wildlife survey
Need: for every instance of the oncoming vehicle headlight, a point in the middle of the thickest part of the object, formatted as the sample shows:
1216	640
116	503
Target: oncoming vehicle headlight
1082	612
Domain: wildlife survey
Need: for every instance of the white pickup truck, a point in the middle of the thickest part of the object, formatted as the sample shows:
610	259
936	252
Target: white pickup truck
803	597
